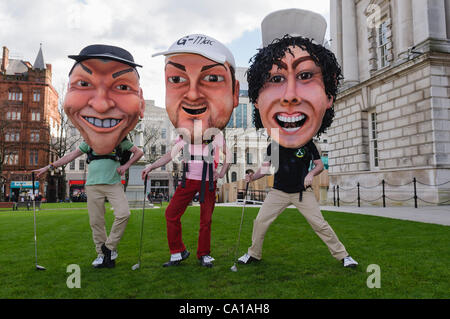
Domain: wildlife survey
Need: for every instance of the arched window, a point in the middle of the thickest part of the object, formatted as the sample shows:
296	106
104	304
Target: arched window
233	177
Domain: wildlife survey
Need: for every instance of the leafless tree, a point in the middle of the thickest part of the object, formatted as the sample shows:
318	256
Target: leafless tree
65	140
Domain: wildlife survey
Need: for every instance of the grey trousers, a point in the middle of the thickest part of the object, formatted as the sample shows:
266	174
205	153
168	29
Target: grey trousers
275	203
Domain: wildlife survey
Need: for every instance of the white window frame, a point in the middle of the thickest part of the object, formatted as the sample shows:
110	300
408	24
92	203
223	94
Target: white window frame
382	43
373	141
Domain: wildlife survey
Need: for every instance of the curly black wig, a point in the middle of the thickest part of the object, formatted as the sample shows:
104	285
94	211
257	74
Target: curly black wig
262	62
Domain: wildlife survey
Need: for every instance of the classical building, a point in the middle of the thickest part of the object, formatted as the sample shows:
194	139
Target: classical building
392	113
29	117
246	144
159	134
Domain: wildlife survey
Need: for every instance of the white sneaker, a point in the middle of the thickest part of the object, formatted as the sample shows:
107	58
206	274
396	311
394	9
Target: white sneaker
349	262
98	261
246	259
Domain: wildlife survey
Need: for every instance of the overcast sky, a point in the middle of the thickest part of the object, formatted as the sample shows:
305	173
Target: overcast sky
64	27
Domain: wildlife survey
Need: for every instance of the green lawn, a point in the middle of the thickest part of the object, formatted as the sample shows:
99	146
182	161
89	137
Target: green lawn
413	257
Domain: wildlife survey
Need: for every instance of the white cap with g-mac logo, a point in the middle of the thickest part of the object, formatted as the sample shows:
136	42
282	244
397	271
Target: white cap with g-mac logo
203	45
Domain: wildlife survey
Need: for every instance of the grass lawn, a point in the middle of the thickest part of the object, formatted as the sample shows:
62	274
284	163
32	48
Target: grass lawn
413	257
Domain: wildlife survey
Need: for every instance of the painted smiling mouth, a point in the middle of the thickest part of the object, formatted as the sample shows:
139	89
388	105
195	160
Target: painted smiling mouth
194	111
290	123
105	123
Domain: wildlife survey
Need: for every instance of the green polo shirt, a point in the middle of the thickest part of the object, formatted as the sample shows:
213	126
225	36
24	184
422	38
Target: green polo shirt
104	171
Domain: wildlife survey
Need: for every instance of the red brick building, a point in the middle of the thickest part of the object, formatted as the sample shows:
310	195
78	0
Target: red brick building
28	117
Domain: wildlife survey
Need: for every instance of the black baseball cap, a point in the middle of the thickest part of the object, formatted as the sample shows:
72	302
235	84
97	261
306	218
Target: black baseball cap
108	52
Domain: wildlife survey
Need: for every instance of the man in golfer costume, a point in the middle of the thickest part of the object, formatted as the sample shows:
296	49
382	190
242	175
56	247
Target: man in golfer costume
293	83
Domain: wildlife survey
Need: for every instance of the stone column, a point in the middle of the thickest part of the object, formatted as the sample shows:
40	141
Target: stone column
336	28
447	17
349	43
405	25
429	20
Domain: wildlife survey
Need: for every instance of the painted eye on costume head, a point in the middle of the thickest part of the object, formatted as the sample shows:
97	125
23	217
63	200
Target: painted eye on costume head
213	78
83	83
276	79
176	79
305	75
123	87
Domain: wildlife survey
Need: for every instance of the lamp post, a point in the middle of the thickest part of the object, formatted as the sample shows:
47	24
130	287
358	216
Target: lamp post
55	173
175	179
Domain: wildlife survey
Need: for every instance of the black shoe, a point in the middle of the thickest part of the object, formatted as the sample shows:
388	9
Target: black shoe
246	259
206	261
107	262
184	255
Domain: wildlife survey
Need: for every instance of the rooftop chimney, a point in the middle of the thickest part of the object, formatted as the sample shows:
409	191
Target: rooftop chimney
5	59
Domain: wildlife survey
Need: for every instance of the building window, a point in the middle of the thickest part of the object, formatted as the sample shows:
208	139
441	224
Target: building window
35	116
163	133
244	119
238	114
12	137
233	177
11	159
230	122
382	44
13	115
36	96
81	165
163	149
34	157
248	155
153	150
72	166
34	136
373	139
15	95
379	34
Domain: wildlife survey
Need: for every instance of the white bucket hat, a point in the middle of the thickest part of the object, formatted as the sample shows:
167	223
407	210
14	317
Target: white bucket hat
203	45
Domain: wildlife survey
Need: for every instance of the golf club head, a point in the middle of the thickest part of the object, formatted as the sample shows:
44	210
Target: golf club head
137	266
234	268
38	267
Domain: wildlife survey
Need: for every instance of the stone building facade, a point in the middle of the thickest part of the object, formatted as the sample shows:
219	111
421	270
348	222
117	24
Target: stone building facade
392	113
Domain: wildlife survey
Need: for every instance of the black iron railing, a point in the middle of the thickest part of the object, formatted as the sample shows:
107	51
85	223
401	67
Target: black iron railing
384	193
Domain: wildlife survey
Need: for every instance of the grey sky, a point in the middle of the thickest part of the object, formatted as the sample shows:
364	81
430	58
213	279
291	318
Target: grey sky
64	27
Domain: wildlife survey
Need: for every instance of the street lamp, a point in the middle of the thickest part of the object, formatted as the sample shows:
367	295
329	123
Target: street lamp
175	179
55	173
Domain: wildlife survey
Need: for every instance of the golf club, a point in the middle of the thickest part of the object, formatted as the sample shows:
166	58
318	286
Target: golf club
234	267
138	265
38	267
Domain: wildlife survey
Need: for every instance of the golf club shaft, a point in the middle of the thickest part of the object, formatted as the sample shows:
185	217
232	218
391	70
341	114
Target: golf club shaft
34	214
142	221
242	219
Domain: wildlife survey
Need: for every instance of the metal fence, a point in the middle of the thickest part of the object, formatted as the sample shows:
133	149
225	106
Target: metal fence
381	187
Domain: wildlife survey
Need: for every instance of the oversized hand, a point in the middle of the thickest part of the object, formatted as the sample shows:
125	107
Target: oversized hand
146	170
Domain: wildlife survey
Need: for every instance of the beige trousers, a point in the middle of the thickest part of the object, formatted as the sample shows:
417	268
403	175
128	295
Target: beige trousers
96	195
273	206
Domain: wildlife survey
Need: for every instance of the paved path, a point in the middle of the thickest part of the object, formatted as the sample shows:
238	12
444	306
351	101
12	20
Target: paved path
431	214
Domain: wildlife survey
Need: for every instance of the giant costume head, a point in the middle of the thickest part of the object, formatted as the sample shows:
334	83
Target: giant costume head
104	100
293	79
201	89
